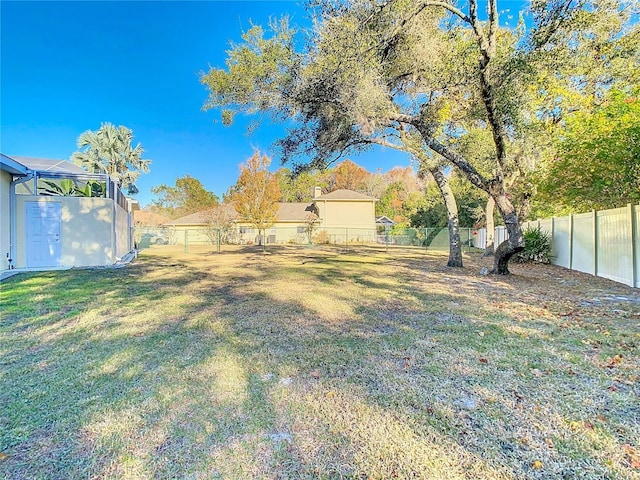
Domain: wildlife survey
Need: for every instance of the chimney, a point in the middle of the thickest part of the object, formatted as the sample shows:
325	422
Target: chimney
317	191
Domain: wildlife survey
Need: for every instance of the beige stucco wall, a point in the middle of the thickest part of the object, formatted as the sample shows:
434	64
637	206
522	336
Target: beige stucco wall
86	230
5	219
123	233
347	214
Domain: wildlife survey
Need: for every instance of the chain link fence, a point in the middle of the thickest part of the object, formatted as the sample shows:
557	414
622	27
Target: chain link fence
436	239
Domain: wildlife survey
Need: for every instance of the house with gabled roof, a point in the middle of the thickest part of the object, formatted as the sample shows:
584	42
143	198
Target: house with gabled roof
340	214
54	214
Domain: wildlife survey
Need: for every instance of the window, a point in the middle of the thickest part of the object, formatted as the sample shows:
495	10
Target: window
246	230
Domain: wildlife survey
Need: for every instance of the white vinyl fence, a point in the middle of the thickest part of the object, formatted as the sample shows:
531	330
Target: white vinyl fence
605	243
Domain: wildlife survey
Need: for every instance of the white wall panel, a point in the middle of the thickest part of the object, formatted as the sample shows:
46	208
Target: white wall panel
614	245
583	243
562	241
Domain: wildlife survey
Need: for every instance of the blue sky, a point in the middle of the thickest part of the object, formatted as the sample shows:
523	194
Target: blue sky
66	67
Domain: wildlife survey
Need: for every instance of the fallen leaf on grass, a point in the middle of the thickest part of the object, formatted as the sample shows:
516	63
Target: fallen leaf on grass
3	456
537	465
484	360
632	455
613	361
549	442
315	374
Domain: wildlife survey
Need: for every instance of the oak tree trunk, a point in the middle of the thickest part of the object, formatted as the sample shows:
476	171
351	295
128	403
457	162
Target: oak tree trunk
490	227
515	242
455	249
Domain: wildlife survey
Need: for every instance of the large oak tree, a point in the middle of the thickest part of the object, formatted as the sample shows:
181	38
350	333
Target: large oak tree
420	76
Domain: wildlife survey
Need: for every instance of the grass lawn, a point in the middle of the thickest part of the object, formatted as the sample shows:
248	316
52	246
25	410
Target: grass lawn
314	363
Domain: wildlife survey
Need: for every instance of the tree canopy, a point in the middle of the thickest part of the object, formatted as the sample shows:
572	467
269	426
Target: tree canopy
256	194
187	196
425	77
597	165
109	150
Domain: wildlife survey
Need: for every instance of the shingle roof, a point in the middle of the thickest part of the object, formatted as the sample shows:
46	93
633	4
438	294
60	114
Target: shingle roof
142	217
344	194
287	212
8	164
201	218
294	212
48	165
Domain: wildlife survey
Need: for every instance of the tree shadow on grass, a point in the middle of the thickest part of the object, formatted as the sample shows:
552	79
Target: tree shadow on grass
166	370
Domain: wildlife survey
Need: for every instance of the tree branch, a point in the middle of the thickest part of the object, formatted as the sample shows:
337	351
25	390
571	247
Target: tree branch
452	157
428	3
493	24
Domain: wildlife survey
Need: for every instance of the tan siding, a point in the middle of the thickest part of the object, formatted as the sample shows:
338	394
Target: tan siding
5	219
348	214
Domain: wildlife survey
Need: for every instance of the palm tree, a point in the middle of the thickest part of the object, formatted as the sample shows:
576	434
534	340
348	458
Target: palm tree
109	150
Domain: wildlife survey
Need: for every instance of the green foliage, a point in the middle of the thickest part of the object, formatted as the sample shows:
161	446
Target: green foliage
537	247
186	197
432	212
300	187
69	188
402	196
258	72
598	160
63	188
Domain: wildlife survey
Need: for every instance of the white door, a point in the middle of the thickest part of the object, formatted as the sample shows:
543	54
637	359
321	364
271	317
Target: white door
43	234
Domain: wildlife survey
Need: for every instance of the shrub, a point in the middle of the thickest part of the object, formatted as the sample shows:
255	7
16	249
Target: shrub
322	237
537	246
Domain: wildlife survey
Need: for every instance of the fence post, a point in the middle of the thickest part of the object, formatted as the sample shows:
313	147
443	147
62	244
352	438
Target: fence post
219	239
594	214
553	229
186	248
386	237
571	241
346	239
635	275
